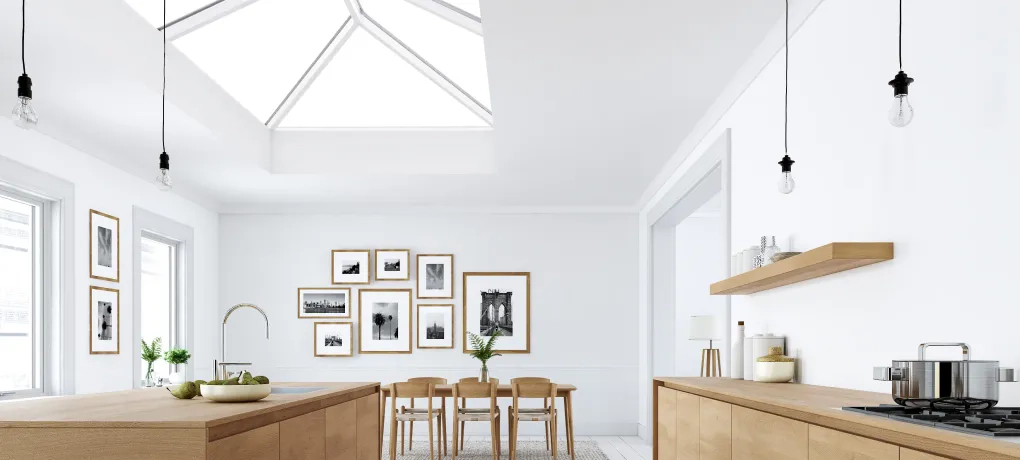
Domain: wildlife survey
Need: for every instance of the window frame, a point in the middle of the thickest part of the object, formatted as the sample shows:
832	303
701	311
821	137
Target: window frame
176	338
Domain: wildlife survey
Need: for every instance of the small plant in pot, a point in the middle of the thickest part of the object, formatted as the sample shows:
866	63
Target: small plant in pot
150	353
482	350
175	357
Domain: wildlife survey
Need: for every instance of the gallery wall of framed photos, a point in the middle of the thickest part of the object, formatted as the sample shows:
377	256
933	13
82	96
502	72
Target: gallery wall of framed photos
104	273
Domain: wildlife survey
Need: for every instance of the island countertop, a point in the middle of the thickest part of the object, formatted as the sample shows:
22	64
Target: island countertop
156	408
821	406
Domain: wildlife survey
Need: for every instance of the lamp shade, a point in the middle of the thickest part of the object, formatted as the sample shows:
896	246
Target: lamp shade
705	327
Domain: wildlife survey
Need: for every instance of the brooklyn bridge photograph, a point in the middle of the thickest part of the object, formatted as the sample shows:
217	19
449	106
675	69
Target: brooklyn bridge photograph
497	313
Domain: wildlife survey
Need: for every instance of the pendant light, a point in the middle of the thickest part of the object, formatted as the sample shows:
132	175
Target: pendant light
24	115
901	112
786	182
165	184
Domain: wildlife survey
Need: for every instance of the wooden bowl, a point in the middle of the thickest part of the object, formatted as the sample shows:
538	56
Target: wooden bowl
235	393
782	255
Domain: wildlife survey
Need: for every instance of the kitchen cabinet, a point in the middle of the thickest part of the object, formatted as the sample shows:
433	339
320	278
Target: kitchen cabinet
688	421
259	444
369	445
907	454
762	436
666	426
304	437
341	441
715	423
826	444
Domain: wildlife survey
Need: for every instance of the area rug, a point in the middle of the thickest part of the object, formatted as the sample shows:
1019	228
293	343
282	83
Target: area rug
526	450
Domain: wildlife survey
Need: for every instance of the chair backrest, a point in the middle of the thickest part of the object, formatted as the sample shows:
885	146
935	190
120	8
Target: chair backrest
468	379
534	390
413	390
529	380
432	380
476	390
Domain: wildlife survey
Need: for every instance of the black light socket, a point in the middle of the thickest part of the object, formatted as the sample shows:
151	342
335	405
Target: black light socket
25	86
164	161
787	163
900	83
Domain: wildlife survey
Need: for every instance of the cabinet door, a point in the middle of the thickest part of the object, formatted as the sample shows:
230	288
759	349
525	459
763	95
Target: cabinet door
342	431
369	446
761	436
258	444
715	440
907	454
304	437
688	426
666	425
826	444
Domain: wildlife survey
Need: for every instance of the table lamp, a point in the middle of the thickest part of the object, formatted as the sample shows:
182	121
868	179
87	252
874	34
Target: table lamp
706	327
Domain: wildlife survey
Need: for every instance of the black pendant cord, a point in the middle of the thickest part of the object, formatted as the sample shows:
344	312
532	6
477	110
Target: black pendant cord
162	127
901	35
24	70
786	91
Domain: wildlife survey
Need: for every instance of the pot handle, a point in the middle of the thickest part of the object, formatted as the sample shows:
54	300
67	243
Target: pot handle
964	349
890	374
1005	374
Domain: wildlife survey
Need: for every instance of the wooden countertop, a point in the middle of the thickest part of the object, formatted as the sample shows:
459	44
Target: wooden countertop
156	408
821	406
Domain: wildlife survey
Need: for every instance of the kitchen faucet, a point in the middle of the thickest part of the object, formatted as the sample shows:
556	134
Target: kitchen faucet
220	367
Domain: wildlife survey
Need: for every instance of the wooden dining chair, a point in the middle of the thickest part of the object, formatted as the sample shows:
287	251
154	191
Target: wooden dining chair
442	416
462	391
544	391
463	403
545	403
411	390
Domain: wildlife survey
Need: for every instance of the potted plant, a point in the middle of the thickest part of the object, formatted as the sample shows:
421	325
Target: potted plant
174	357
482	351
150	353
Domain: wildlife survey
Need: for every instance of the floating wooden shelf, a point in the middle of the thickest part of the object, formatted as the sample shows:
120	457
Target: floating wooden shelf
818	262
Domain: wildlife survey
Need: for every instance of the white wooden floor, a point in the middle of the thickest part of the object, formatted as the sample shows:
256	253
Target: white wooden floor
615	447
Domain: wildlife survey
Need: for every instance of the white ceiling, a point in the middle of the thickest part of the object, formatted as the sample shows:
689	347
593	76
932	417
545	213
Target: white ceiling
589	99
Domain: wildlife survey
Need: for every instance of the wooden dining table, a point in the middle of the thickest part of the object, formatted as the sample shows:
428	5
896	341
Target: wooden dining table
564	391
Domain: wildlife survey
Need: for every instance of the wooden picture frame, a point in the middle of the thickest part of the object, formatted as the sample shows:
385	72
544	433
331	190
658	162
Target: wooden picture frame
383	269
363	257
385	298
430	280
481	287
423	340
346	329
110	296
325	293
104	246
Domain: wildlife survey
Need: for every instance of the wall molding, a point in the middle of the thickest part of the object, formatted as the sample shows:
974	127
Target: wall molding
400	209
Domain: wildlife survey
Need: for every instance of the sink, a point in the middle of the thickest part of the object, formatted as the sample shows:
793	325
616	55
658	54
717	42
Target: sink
295	390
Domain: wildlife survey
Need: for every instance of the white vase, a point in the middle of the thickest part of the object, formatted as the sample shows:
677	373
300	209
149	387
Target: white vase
176	378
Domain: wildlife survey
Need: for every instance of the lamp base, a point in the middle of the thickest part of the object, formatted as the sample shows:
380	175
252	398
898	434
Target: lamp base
711	365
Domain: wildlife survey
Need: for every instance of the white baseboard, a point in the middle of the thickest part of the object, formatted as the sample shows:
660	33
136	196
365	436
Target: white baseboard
643	433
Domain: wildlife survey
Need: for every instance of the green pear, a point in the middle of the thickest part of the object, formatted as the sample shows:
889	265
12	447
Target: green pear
246	379
230	382
186	390
198	384
262	379
214	382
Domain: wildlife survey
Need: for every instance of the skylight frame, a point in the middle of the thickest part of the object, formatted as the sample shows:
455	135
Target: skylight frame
201	17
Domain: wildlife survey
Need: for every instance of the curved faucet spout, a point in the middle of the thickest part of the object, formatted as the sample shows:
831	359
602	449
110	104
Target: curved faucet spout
223	327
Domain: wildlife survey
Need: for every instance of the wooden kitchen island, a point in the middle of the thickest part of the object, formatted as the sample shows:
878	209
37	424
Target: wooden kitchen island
698	418
339	422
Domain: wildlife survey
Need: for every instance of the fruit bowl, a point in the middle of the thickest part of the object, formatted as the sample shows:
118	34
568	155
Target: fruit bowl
236	393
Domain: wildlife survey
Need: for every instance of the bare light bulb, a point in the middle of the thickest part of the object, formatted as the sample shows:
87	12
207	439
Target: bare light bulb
163	180
24	115
901	112
786	183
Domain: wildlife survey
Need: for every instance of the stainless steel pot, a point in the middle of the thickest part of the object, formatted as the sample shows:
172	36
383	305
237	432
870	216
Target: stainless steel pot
945	384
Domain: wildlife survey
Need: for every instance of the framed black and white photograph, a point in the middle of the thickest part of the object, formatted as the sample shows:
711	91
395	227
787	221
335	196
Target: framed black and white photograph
385	321
392	264
435	326
324	303
333	340
498	301
351	266
104	246
104	321
435	276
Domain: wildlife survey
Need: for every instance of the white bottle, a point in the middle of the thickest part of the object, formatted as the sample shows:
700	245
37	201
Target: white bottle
737	353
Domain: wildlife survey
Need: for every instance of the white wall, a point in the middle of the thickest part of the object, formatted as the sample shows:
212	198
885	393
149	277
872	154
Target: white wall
942	189
100	186
582	284
700	245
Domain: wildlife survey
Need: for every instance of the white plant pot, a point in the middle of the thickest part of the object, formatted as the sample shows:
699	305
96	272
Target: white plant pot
176	378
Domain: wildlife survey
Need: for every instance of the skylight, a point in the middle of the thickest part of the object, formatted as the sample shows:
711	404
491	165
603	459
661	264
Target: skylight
338	63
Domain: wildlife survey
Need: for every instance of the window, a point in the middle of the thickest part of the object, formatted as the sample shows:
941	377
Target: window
159	306
21	321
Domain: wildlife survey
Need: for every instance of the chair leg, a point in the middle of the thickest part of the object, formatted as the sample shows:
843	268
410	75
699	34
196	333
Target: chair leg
545	403
410	437
462	436
393	436
446	439
554	437
495	439
456	433
499	438
431	442
403	426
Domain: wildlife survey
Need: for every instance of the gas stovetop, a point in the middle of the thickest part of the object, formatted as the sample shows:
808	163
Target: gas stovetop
996	421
